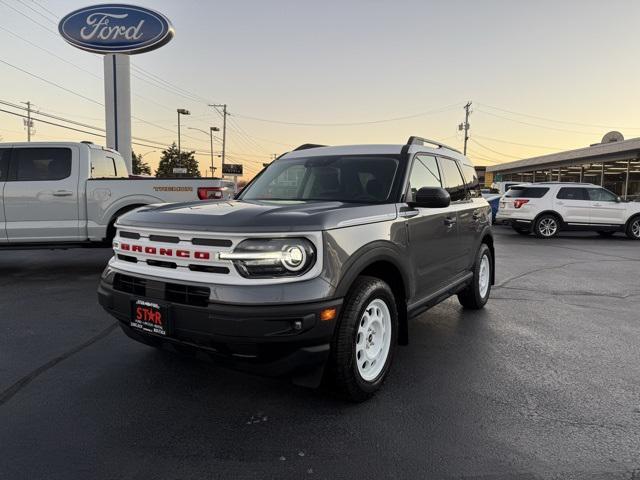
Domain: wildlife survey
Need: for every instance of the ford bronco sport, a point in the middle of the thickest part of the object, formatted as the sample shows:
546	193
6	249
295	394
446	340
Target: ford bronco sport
315	269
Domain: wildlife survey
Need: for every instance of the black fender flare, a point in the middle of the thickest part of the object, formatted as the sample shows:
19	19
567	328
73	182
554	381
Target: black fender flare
368	255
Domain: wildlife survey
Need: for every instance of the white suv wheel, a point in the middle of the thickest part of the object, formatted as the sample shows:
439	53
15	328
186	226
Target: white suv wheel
547	226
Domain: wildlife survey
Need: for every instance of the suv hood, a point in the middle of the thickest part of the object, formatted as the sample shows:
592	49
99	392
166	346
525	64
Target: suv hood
257	216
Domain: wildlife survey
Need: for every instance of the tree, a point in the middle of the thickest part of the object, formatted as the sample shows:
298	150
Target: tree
140	167
169	160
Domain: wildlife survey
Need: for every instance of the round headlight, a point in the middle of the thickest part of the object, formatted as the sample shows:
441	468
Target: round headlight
294	258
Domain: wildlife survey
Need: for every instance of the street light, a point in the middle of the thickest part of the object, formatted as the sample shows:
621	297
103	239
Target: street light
211	130
181	111
147	153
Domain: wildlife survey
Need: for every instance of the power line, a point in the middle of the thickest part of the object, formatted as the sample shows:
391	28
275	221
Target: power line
38	12
558	121
492	150
519	144
45	9
535	125
347	124
52	83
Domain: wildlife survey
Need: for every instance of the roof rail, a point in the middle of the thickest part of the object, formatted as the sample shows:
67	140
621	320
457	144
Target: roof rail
306	146
421	141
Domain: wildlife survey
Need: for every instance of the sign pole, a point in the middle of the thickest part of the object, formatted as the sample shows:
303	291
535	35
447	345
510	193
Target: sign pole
117	102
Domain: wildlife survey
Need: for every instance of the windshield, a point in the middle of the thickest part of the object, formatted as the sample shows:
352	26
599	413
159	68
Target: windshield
342	178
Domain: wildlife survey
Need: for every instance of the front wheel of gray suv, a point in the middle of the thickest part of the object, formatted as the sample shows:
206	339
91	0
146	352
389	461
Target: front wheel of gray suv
365	340
475	296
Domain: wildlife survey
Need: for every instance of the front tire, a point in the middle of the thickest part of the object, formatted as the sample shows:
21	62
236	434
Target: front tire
365	340
475	296
633	228
547	226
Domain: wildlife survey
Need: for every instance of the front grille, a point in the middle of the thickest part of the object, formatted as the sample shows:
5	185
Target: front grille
160	263
211	242
171	292
164	239
187	294
128	284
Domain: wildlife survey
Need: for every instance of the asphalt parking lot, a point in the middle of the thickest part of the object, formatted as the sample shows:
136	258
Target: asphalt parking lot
543	383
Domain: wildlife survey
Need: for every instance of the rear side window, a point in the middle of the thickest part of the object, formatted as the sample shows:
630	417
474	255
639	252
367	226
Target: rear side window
471	180
41	164
572	193
526	192
453	181
4	163
121	167
102	166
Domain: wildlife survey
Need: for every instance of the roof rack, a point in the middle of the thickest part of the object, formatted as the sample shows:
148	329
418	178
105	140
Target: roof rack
306	146
421	141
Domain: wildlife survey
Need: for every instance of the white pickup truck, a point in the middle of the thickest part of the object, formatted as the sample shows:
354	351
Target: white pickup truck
63	193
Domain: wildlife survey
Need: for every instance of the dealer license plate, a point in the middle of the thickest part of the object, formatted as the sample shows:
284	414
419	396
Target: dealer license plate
149	317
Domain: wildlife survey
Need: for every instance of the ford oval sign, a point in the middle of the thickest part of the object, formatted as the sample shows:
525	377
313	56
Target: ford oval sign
116	28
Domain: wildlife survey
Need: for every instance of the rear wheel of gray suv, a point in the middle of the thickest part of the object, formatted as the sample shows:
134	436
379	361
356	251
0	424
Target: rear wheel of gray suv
633	228
475	296
547	226
365	339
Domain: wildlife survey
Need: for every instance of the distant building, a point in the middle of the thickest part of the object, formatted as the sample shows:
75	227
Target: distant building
481	171
614	163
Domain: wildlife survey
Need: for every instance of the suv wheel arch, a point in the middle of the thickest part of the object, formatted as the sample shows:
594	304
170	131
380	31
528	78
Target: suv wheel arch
380	262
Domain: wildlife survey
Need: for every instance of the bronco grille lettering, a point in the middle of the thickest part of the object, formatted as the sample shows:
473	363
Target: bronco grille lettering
165	252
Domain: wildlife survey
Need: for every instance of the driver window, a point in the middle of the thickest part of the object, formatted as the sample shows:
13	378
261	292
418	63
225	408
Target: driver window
424	173
601	195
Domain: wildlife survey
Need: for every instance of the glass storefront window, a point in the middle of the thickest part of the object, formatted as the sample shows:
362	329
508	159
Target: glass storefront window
592	173
633	191
615	176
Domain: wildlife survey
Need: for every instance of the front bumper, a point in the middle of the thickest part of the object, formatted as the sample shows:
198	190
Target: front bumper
274	340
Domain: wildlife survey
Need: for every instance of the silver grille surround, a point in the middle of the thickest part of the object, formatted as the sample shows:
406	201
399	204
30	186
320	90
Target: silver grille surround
182	271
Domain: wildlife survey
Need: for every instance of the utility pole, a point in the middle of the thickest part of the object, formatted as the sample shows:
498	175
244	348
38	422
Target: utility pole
465	126
28	122
224	128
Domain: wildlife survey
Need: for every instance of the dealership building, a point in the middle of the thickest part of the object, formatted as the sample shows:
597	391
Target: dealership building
614	163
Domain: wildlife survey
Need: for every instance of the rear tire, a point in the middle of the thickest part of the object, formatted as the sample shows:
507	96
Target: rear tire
475	296
365	340
633	228
547	226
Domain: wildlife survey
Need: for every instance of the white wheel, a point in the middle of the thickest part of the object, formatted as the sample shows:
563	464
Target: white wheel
373	339
484	276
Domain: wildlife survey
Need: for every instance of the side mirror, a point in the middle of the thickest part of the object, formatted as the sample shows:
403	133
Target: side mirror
618	199
432	197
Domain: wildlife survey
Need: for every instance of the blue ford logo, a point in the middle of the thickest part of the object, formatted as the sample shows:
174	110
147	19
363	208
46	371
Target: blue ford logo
116	28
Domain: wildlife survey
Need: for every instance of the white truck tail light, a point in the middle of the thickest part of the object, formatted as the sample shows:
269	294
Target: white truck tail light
518	202
209	193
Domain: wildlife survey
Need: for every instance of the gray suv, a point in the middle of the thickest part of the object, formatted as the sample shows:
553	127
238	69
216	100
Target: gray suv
315	269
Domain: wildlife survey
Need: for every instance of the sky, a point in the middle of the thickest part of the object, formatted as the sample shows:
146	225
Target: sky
543	76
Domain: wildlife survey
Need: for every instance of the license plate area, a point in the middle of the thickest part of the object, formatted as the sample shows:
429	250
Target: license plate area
150	317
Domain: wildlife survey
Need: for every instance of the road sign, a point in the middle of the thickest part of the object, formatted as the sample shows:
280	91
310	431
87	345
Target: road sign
232	169
179	170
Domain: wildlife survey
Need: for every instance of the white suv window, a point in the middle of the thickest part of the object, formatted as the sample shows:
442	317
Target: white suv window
572	193
602	195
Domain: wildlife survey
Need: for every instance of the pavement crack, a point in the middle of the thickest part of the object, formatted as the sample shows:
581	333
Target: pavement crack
7	394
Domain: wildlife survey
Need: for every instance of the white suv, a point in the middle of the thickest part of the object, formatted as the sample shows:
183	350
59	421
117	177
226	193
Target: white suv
547	208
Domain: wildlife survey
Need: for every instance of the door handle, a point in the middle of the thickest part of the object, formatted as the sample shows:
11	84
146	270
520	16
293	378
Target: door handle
560	203
596	205
62	193
450	222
